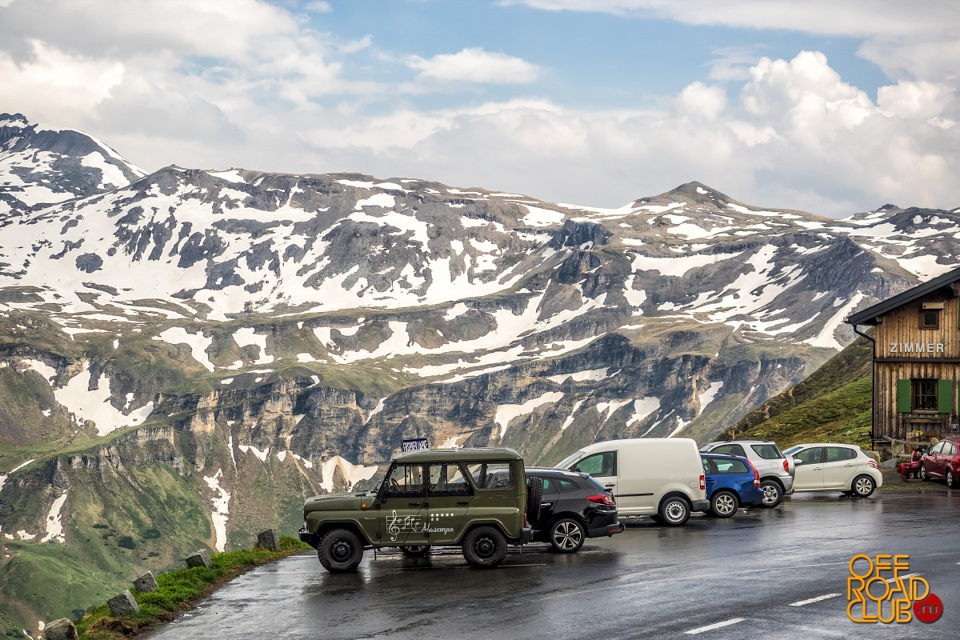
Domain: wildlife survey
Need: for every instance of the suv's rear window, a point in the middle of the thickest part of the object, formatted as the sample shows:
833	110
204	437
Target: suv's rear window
593	485
767	451
730	450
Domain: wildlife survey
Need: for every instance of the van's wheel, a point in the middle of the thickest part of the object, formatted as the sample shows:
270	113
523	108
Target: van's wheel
863	486
340	551
567	535
724	504
772	493
416	551
534	499
674	511
484	547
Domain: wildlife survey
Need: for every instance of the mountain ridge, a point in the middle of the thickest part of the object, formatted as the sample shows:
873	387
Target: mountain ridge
240	339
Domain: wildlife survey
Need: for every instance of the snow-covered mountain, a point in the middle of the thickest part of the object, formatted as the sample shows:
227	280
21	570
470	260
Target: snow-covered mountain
42	167
252	330
431	284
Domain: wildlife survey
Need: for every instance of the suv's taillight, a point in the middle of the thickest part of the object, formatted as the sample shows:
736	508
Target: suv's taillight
606	499
786	466
756	474
703	483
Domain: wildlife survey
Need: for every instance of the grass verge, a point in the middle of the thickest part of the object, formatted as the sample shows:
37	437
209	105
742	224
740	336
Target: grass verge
178	591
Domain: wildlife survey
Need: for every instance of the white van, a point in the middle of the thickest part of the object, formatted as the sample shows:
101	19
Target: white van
657	477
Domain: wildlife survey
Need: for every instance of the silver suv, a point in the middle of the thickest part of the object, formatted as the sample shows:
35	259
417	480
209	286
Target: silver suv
776	470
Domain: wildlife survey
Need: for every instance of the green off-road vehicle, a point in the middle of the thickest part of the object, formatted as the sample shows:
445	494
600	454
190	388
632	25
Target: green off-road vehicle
476	499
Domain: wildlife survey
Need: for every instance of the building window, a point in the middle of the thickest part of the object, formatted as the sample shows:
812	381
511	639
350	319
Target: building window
924	395
930	319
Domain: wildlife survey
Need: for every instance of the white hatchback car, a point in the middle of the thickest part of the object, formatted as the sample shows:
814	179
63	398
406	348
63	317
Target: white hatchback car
830	466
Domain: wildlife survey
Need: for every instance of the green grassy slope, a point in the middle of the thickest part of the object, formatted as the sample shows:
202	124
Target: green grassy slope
833	405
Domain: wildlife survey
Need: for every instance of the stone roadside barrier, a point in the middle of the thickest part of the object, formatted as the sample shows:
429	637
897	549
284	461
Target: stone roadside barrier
123	604
268	540
146	583
199	558
62	629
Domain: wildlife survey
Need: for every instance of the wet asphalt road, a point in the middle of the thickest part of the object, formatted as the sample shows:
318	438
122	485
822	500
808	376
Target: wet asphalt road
778	573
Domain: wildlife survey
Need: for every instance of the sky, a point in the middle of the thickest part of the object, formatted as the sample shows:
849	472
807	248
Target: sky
824	106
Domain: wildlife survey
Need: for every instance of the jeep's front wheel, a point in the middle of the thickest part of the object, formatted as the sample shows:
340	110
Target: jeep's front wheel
484	547
340	551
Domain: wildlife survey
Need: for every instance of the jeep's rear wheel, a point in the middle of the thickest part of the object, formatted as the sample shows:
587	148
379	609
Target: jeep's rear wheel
340	551
484	547
416	551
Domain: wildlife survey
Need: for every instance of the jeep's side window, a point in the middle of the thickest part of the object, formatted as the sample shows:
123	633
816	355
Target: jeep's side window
599	464
492	475
447	479
405	480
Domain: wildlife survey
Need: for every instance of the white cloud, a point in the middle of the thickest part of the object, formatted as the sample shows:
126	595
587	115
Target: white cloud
700	100
852	17
319	6
907	40
797	136
921	100
476	65
245	83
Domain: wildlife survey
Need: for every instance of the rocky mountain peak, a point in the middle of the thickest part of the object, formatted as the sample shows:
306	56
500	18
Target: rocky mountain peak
43	167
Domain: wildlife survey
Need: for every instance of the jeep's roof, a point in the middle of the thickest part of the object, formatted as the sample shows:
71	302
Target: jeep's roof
459	455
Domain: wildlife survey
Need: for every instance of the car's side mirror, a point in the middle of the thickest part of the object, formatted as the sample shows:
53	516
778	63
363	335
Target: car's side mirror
797	461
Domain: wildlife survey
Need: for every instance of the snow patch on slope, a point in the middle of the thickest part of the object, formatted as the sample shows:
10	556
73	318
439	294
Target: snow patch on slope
507	412
352	473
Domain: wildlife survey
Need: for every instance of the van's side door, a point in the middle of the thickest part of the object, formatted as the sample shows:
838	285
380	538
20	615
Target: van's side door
602	467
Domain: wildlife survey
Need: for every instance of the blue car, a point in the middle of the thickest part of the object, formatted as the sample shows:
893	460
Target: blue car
732	482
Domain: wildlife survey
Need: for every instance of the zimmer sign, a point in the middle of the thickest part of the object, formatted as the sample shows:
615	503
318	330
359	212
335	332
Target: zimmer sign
916	347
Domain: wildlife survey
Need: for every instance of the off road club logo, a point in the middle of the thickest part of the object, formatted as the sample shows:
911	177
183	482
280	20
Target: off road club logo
882	590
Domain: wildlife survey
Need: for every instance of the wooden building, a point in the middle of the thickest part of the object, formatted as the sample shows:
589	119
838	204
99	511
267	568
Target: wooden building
916	360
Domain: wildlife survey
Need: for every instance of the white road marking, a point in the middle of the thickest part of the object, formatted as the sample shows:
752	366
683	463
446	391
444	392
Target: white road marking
711	627
812	600
903	577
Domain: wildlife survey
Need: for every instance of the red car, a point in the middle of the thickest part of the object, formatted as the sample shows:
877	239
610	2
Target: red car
942	461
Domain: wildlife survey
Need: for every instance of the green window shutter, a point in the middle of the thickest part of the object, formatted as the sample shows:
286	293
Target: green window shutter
944	396
903	396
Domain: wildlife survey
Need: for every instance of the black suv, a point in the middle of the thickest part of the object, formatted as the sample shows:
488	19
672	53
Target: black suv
574	507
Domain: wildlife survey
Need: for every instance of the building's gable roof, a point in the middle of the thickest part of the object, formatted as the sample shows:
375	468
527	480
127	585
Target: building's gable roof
870	314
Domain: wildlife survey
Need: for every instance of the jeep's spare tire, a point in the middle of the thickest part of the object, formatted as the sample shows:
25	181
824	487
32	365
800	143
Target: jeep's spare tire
534	499
484	547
